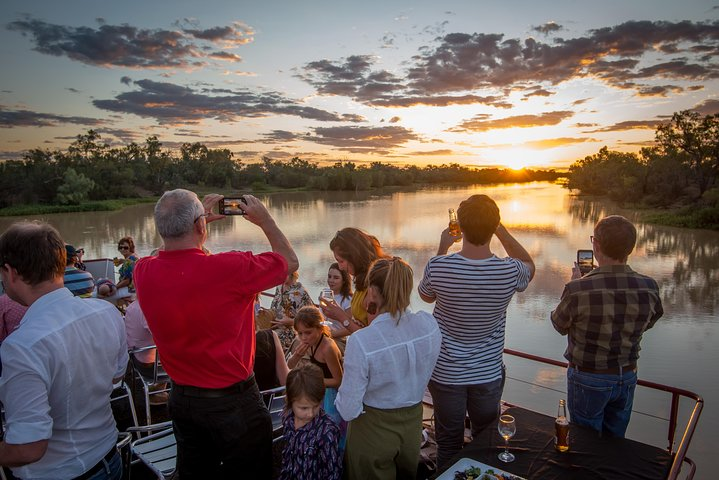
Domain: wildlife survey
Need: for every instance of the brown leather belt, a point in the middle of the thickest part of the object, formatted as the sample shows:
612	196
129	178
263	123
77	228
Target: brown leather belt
632	367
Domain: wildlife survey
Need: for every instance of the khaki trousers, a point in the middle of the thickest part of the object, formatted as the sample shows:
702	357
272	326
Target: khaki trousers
384	444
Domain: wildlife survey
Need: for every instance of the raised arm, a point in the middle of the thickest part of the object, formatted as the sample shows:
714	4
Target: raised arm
256	213
514	249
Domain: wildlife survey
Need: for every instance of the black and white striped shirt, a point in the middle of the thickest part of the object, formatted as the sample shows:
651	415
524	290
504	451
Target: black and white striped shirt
471	308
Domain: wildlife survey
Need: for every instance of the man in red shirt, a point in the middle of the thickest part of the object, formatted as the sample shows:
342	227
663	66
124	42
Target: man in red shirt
200	309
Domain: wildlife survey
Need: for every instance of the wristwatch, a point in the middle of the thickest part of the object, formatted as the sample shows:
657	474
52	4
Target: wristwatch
346	323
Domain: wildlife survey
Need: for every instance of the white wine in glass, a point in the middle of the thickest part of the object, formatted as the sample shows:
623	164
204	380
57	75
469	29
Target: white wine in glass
507	428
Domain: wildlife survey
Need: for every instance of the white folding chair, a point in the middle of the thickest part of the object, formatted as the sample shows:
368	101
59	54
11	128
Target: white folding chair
157	451
275	399
150	383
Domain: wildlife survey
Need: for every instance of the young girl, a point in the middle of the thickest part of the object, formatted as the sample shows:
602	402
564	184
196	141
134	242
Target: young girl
289	297
311	437
340	283
316	342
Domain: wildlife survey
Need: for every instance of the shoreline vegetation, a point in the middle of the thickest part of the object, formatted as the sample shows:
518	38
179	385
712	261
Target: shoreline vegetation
91	175
671	183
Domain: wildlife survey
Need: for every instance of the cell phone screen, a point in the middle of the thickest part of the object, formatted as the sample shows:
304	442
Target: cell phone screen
231	206
585	260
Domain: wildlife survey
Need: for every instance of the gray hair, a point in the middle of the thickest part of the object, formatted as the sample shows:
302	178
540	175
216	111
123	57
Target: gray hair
176	212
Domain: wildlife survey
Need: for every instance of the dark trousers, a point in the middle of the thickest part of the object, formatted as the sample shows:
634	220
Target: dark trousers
222	438
452	403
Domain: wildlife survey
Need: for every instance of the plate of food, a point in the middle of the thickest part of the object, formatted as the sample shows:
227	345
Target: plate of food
468	469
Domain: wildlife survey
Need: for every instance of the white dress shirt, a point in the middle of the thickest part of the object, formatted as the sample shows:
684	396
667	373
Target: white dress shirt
57	371
388	364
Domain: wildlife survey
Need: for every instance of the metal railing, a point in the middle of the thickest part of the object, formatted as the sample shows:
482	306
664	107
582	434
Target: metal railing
679	455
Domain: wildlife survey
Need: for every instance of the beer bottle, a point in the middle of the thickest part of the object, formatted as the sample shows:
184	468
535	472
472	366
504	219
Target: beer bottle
561	427
454	226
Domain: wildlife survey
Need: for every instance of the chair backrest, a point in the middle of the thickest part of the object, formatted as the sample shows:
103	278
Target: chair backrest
275	400
100	268
157	451
158	373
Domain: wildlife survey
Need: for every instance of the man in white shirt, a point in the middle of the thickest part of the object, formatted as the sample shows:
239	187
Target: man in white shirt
59	366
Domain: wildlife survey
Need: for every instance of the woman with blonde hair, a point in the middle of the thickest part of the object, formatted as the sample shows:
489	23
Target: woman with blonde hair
387	367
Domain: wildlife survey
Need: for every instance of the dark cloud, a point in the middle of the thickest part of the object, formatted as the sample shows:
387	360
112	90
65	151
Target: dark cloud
547	28
440	101
659	90
236	34
461	62
708	107
128	46
126	80
585	125
482	123
580	101
280	136
27	118
394	120
629	125
355	78
371	140
227	56
72	90
169	103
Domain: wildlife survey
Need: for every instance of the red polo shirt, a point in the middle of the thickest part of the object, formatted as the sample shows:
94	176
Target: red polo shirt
200	309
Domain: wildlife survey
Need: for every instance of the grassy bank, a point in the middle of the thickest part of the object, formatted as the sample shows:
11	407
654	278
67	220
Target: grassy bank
92	206
687	217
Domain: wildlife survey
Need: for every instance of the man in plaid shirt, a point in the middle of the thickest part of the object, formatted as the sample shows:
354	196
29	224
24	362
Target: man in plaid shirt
604	315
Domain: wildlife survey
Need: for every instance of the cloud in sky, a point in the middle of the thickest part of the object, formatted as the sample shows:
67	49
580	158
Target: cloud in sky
132	47
708	107
27	118
547	28
483	122
169	103
557	142
621	56
629	125
357	139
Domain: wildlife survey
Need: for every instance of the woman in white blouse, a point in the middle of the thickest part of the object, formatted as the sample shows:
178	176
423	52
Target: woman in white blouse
387	367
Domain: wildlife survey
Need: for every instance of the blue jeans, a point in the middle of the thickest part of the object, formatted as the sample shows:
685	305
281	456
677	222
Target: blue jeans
600	401
452	403
112	470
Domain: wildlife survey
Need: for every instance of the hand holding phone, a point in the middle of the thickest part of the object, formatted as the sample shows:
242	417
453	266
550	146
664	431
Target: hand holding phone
585	261
231	206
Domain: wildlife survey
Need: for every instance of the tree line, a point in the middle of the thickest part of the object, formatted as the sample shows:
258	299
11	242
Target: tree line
679	171
92	170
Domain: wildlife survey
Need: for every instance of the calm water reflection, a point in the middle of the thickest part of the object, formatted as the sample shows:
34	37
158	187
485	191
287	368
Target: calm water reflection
547	220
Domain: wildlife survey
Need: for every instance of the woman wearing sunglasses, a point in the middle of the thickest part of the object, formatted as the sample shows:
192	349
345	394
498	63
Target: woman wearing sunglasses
126	246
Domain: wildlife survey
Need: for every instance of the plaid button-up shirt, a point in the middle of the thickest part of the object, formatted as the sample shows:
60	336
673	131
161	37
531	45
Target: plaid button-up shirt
605	314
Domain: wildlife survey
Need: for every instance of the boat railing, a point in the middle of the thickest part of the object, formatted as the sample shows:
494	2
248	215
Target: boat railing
680	453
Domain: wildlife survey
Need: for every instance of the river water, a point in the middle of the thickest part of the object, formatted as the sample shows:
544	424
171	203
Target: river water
551	223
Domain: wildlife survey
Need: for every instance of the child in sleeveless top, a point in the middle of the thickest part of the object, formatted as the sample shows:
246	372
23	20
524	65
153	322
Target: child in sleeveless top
311	437
323	352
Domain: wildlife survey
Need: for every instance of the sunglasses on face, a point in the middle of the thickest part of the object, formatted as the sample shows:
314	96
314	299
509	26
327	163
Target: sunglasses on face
123	247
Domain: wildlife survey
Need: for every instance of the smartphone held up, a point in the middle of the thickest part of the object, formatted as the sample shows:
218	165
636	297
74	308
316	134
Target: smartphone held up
231	206
585	261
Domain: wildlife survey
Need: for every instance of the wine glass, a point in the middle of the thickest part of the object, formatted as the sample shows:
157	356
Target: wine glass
326	297
507	428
